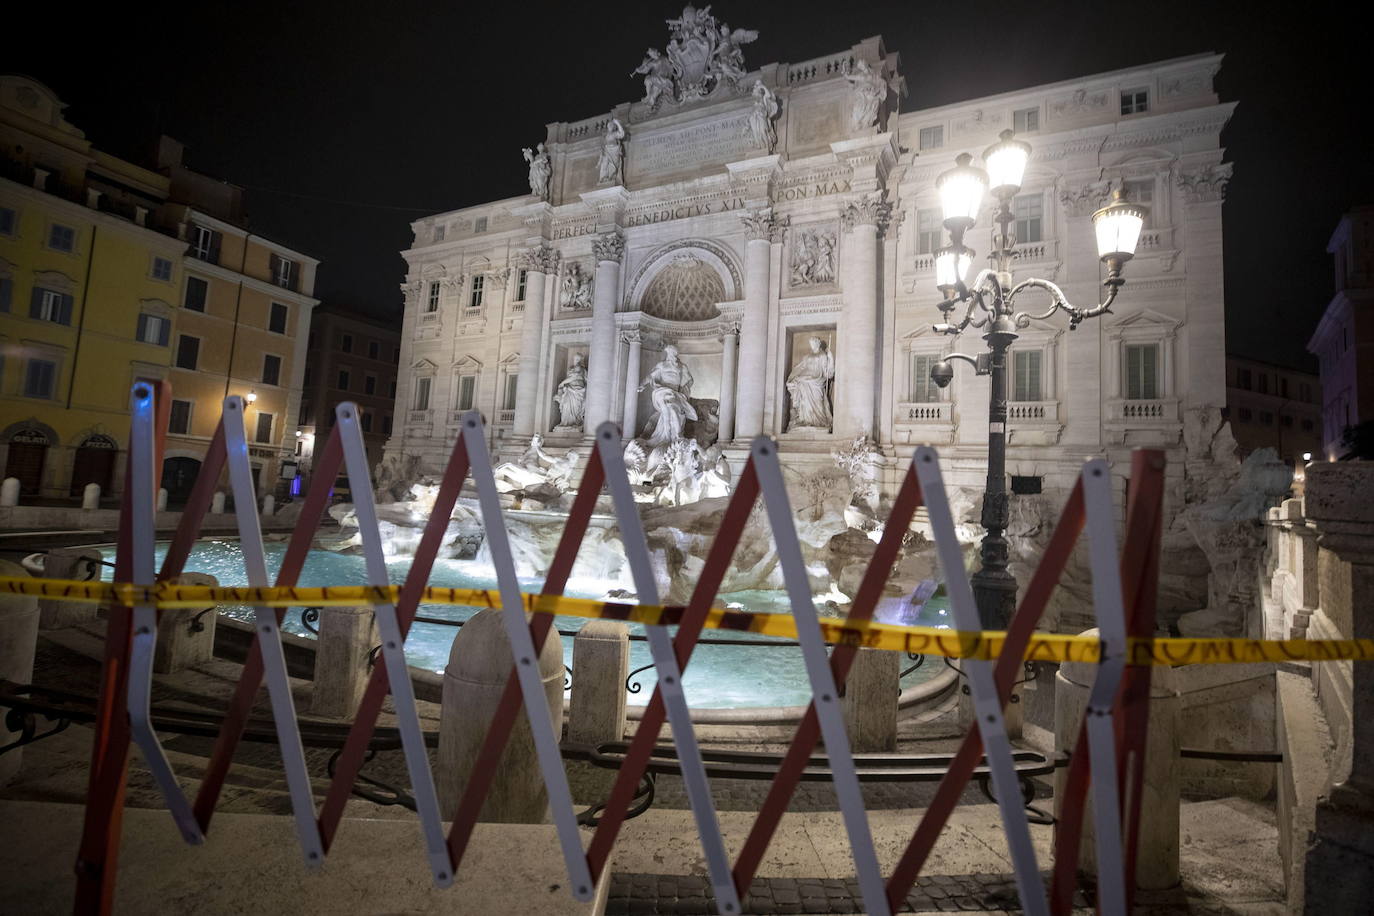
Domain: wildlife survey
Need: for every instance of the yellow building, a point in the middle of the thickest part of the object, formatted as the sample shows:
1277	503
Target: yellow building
87	293
111	272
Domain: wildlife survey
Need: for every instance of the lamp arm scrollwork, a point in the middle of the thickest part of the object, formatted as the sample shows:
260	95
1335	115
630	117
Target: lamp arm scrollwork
1059	301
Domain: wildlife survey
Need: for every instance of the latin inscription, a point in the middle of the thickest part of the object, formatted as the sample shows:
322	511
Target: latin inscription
679	150
808	191
684	211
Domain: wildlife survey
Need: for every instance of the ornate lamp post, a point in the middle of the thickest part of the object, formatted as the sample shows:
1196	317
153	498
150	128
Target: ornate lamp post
989	302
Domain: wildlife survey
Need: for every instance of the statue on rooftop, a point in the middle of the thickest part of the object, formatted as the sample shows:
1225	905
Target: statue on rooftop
612	153
540	170
760	125
658	78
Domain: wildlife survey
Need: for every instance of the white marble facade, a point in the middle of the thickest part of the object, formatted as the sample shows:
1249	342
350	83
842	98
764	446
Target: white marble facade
739	256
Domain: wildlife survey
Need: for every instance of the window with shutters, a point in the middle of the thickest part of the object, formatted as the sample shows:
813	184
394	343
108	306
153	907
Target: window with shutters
1142	191
1142	371
50	305
386	424
346	343
923	390
374	350
391	390
1026	366
521	283
343	380
1025	121
932	137
188	352
284	272
61	238
153	329
479	224
422	386
512	386
264	430
432	303
162	269
1029	210
40	378
467	390
276	319
179	422
479	283
205	243
9	221
6	292
369	384
1243	379
197	292
1135	101
271	369
366	419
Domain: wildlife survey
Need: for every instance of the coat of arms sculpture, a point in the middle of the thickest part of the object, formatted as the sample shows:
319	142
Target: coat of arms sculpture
702	55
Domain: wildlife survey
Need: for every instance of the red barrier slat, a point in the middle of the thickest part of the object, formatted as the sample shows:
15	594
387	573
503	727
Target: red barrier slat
97	861
354	752
508	709
689	630
250	679
1019	634
1143	517
841	659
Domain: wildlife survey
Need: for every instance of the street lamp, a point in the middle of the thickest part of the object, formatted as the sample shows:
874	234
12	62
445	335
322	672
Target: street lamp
988	304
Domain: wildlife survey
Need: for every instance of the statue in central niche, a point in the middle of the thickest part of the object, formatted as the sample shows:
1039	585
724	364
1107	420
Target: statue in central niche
670	384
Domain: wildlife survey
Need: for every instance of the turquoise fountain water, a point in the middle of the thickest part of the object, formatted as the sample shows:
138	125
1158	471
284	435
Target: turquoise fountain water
718	676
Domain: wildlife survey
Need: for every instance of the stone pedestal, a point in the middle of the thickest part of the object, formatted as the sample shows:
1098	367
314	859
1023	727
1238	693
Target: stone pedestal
217	503
18	639
1339	501
186	635
90	496
870	701
1157	862
69	563
347	636
473	681
596	713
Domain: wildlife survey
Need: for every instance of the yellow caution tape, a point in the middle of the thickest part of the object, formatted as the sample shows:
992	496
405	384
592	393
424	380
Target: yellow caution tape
1045	647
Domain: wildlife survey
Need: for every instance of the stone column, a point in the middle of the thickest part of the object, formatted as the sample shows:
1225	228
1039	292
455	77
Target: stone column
870	700
609	250
631	416
856	363
79	563
186	635
473	682
753	350
1339	500
1157	863
538	262
18	639
347	636
729	360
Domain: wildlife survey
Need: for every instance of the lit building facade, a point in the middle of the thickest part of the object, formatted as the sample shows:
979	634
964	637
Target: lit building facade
1344	340
687	219
1273	407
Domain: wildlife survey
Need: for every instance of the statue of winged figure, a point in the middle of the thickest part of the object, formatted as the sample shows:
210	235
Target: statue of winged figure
729	57
658	78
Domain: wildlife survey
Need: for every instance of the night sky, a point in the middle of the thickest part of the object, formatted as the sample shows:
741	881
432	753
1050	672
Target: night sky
345	121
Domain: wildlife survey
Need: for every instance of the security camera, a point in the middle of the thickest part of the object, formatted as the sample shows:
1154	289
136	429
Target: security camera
942	373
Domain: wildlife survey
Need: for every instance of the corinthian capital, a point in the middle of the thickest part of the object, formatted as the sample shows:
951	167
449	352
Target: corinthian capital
609	247
759	224
540	259
870	209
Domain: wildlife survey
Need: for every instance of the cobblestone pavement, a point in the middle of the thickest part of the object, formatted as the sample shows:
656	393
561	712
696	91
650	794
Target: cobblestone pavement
669	895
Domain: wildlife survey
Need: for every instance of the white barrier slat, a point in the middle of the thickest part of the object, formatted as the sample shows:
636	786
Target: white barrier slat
669	675
393	649
1111	666
525	658
987	707
825	696
143	645
269	635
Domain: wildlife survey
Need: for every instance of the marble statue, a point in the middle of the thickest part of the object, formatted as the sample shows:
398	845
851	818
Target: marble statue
702	56
636	461
868	90
809	387
612	153
561	471
658	78
571	395
540	170
859	460
813	258
760	125
670	384
577	288
531	470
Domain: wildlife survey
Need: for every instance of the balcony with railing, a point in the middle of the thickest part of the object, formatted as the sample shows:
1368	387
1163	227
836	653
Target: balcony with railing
419	417
505	417
1033	411
1160	410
